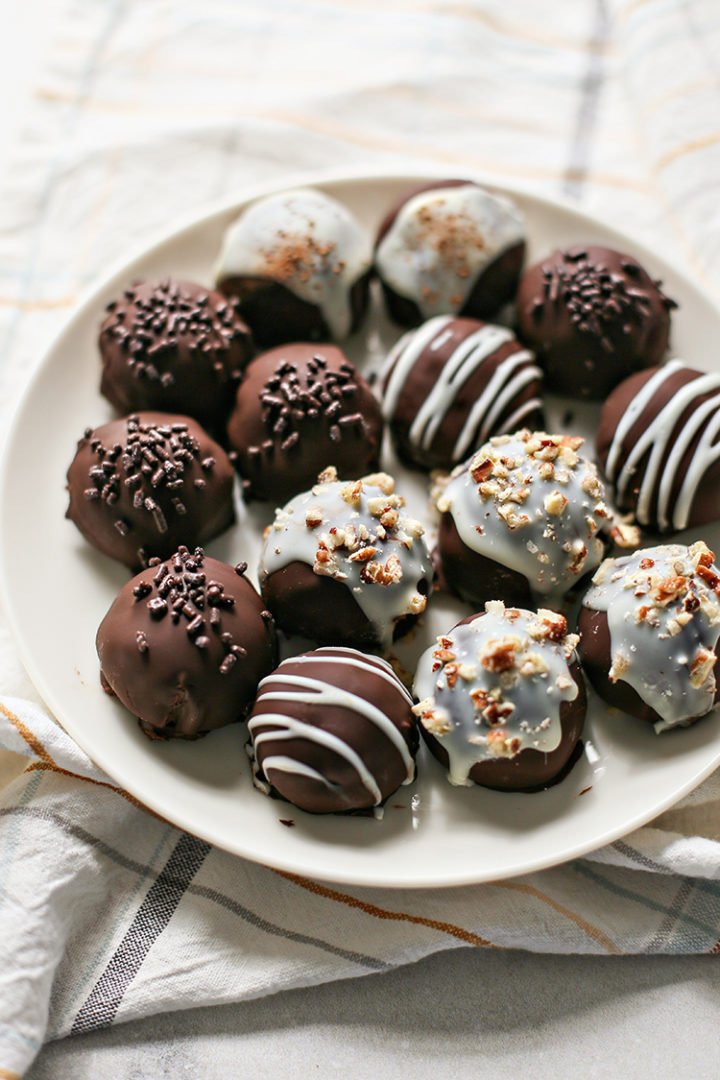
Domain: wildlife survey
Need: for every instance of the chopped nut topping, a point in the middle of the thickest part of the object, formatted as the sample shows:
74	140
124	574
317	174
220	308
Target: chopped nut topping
500	655
701	667
314	517
555	503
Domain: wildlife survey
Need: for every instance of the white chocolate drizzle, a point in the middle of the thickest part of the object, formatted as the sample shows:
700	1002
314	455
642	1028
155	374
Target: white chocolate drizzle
357	533
494	686
530	502
287	690
441	241
508	379
307	242
665	449
663	616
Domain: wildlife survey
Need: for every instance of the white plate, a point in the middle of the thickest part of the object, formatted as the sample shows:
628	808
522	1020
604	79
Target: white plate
58	588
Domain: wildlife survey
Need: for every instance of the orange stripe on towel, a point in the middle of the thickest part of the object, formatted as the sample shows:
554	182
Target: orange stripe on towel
383	913
592	931
50	766
32	740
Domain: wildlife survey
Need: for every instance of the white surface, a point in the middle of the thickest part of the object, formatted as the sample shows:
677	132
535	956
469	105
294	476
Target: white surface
58	589
462	1015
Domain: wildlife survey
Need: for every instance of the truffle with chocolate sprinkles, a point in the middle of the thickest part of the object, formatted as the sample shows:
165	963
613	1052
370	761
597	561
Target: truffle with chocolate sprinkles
593	316
298	407
142	485
185	644
175	346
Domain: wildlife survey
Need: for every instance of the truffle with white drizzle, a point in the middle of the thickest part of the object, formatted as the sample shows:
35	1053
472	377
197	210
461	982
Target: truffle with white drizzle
344	564
449	247
649	629
332	731
299	263
657	444
501	698
452	383
524	516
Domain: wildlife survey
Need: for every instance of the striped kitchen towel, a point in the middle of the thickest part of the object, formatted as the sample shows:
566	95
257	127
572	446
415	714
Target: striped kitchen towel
146	110
109	913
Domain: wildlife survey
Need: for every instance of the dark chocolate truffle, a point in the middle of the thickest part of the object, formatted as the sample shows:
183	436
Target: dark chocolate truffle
185	644
657	444
342	564
173	346
649	631
593	316
297	408
143	485
524	516
451	384
502	701
299	263
449	248
333	731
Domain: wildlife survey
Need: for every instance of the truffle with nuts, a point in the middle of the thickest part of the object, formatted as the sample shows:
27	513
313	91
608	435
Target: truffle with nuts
524	517
649	630
501	698
344	564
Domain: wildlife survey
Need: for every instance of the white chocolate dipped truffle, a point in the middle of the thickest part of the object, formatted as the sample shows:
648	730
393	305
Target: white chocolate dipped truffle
434	250
649	630
498	685
344	564
530	505
304	243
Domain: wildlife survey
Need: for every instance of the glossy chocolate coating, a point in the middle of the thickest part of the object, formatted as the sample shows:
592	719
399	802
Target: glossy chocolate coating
475	578
185	644
593	316
276	315
346	690
174	346
299	408
682	396
141	486
494	287
422	387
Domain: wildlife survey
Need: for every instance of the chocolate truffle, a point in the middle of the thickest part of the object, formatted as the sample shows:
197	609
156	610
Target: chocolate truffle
173	346
185	644
451	384
524	516
657	445
333	731
502	702
298	407
299	263
141	486
649	631
343	564
449	248
593	316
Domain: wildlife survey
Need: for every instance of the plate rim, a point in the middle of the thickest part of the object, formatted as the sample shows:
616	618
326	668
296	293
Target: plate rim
193	220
